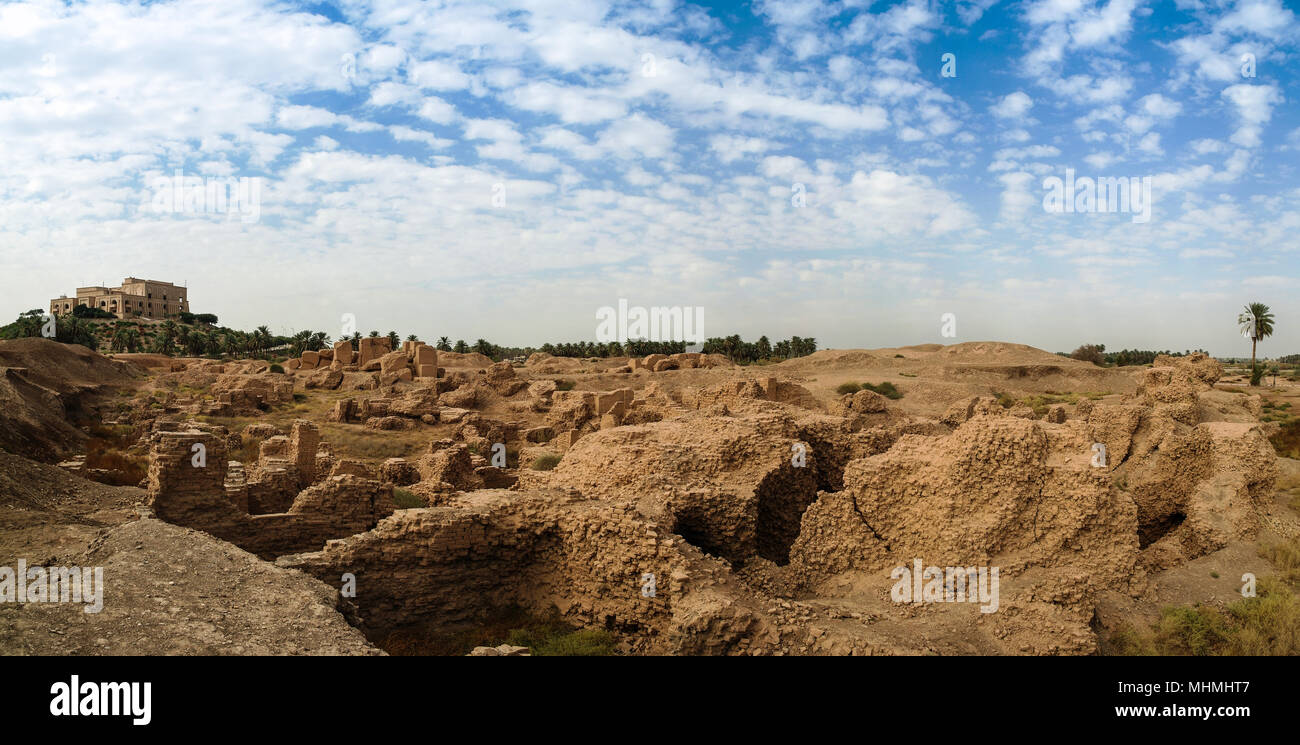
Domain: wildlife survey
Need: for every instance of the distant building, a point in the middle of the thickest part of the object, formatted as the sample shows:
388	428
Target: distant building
144	298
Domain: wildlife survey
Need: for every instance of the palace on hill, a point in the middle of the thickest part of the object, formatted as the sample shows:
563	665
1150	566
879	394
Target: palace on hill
143	298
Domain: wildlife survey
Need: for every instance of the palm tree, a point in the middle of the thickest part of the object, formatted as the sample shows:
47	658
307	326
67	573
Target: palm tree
1256	322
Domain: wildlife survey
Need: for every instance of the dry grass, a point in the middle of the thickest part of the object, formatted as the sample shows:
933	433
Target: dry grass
1267	624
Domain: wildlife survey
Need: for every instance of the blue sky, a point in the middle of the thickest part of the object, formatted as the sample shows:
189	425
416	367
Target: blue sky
502	170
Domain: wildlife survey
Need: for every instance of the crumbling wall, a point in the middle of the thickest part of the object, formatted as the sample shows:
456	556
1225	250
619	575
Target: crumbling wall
190	485
736	487
453	565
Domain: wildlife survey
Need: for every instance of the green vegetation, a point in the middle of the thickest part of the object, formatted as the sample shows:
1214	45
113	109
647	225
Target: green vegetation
552	637
276	368
545	462
1090	353
68	329
85	311
545	635
886	389
1256	374
733	347
844	388
406	499
1267	624
1097	354
1275	412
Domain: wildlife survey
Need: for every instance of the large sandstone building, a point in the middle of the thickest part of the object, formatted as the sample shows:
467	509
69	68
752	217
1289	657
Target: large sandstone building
145	298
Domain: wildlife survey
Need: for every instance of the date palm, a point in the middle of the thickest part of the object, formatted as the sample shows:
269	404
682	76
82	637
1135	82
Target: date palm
1256	322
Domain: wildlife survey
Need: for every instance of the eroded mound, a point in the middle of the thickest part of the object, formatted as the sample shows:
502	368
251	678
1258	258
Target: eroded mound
47	389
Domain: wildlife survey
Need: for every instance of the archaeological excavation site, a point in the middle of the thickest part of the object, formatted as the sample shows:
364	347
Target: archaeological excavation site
368	500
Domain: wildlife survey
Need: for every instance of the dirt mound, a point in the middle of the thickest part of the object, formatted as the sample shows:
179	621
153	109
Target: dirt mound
468	359
830	358
65	368
546	364
47	388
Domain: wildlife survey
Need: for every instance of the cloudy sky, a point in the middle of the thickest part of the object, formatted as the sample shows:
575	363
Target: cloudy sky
502	170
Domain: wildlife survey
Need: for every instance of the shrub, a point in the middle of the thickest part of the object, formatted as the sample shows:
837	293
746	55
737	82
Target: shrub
584	643
552	637
545	462
848	388
1090	353
276	369
406	499
886	389
1256	374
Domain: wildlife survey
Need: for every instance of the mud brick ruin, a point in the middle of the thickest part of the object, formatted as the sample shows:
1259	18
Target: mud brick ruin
284	506
750	501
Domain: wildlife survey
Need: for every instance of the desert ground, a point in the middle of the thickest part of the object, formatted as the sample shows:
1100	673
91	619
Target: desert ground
411	501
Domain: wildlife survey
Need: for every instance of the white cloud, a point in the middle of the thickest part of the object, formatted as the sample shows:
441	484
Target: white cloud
1012	105
1254	104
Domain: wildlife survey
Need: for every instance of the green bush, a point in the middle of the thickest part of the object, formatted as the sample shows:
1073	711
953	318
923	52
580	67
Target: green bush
1256	374
886	389
554	639
276	369
848	388
545	462
584	643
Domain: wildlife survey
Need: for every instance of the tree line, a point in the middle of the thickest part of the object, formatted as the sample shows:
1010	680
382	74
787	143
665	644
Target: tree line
197	335
1097	355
